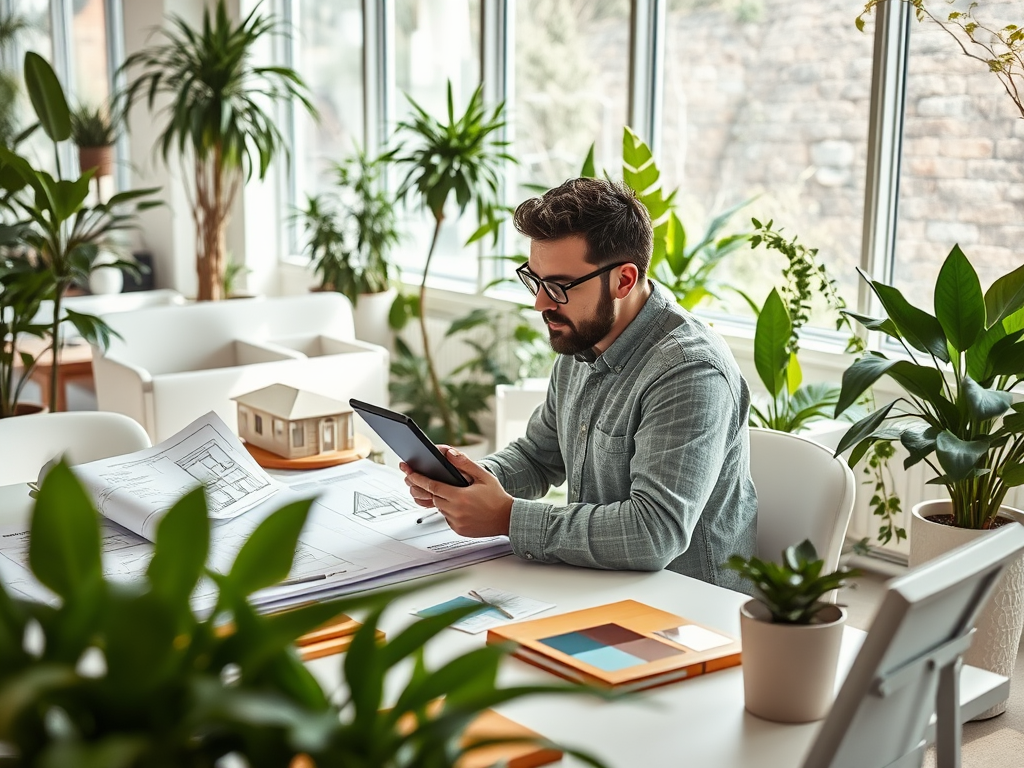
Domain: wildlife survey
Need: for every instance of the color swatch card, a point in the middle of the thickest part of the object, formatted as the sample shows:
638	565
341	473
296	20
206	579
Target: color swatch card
625	646
496	607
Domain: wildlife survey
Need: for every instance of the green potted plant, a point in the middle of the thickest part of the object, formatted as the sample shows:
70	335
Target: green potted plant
127	674
350	233
94	131
22	292
791	634
683	265
61	234
958	416
218	119
462	157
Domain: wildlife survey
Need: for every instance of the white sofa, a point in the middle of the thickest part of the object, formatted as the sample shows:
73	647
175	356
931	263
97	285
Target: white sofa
173	364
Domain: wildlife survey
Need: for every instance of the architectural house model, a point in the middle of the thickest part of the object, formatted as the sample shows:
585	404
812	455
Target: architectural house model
294	423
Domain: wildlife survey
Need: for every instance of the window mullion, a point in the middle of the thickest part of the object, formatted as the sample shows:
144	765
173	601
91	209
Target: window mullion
885	130
495	73
646	69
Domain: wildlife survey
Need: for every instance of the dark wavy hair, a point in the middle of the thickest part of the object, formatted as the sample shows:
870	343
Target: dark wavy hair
606	214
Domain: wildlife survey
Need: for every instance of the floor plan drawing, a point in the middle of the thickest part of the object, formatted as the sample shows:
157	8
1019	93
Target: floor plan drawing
137	490
368	507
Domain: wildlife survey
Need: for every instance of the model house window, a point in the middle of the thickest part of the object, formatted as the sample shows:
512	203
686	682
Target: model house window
298	438
278	428
258	423
243	416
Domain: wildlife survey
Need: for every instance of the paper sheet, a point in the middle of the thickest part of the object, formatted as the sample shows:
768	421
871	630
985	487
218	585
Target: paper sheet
136	490
488	616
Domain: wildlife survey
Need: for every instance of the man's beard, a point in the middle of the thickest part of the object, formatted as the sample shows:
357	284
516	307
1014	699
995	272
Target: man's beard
583	335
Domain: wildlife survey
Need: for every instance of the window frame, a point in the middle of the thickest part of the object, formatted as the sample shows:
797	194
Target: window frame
645	90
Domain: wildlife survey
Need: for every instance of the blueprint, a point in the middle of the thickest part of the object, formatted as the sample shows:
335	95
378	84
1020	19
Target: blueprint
137	490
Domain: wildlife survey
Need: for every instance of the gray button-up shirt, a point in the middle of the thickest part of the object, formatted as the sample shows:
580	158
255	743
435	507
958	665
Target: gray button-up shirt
652	439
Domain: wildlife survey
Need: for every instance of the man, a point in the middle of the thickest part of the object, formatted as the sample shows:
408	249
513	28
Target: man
645	415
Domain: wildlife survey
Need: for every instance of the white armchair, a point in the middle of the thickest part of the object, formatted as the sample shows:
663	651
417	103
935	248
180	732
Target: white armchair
173	364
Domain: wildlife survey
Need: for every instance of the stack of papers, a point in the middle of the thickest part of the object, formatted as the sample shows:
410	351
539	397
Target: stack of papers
361	532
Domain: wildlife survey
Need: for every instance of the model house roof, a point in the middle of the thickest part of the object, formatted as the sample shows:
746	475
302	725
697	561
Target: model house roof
290	403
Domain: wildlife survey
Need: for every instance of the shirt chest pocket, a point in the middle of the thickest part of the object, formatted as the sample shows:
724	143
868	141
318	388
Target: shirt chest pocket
609	445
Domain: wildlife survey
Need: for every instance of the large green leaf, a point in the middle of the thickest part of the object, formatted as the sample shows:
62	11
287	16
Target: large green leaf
589	170
921	330
861	375
1012	474
1005	296
984	404
140	640
959	457
770	339
882	324
959	304
863	428
266	557
47	96
64	544
1007	356
979	358
919	440
182	542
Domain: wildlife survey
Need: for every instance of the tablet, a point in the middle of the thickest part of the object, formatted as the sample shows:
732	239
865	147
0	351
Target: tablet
408	441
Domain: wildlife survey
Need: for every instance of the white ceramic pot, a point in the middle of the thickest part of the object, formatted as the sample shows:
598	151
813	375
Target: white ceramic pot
789	670
370	315
106	280
476	448
999	626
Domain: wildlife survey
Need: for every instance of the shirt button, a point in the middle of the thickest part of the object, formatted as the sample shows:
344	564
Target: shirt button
528	555
583	427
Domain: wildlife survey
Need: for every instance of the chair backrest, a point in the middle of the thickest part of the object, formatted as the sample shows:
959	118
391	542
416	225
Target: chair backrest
29	442
803	492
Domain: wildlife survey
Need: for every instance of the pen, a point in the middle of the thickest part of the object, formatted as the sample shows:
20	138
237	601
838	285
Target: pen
426	516
476	595
304	579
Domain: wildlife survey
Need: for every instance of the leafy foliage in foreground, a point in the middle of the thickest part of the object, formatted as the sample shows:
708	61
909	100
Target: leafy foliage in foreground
126	674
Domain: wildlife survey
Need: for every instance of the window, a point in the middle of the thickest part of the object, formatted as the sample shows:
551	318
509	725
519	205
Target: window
960	173
740	99
258	423
298	436
750	113
243	418
278	429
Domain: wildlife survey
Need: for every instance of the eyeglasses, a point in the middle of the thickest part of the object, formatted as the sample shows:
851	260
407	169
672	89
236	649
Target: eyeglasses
557	292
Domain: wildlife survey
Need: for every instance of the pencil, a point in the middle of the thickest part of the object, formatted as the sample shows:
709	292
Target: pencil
476	595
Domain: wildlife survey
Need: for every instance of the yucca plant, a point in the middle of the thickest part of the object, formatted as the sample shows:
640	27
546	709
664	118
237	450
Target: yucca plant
216	120
792	590
462	157
128	675
61	234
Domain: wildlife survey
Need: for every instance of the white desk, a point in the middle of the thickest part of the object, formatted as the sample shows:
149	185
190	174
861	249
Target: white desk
698	722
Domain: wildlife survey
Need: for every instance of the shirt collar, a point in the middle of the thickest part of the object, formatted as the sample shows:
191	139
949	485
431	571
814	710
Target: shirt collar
631	337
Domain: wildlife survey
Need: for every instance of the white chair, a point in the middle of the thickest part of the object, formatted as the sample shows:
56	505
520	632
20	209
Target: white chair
170	365
29	442
803	492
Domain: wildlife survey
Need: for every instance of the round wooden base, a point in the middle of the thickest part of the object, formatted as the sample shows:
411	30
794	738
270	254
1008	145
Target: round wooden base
269	460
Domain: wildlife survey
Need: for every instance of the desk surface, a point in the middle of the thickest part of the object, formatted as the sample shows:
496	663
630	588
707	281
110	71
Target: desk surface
698	722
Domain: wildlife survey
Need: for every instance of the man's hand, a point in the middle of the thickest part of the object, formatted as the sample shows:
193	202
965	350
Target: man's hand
480	509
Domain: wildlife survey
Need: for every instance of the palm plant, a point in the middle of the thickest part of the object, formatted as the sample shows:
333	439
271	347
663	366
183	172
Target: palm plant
216	117
93	127
11	26
350	232
61	232
462	156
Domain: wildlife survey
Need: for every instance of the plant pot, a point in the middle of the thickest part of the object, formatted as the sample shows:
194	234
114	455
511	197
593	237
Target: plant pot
29	409
370	315
475	448
106	280
789	670
100	158
999	626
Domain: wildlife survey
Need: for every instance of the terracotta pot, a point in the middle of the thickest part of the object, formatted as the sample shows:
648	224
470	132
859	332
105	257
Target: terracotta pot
789	670
999	626
100	158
